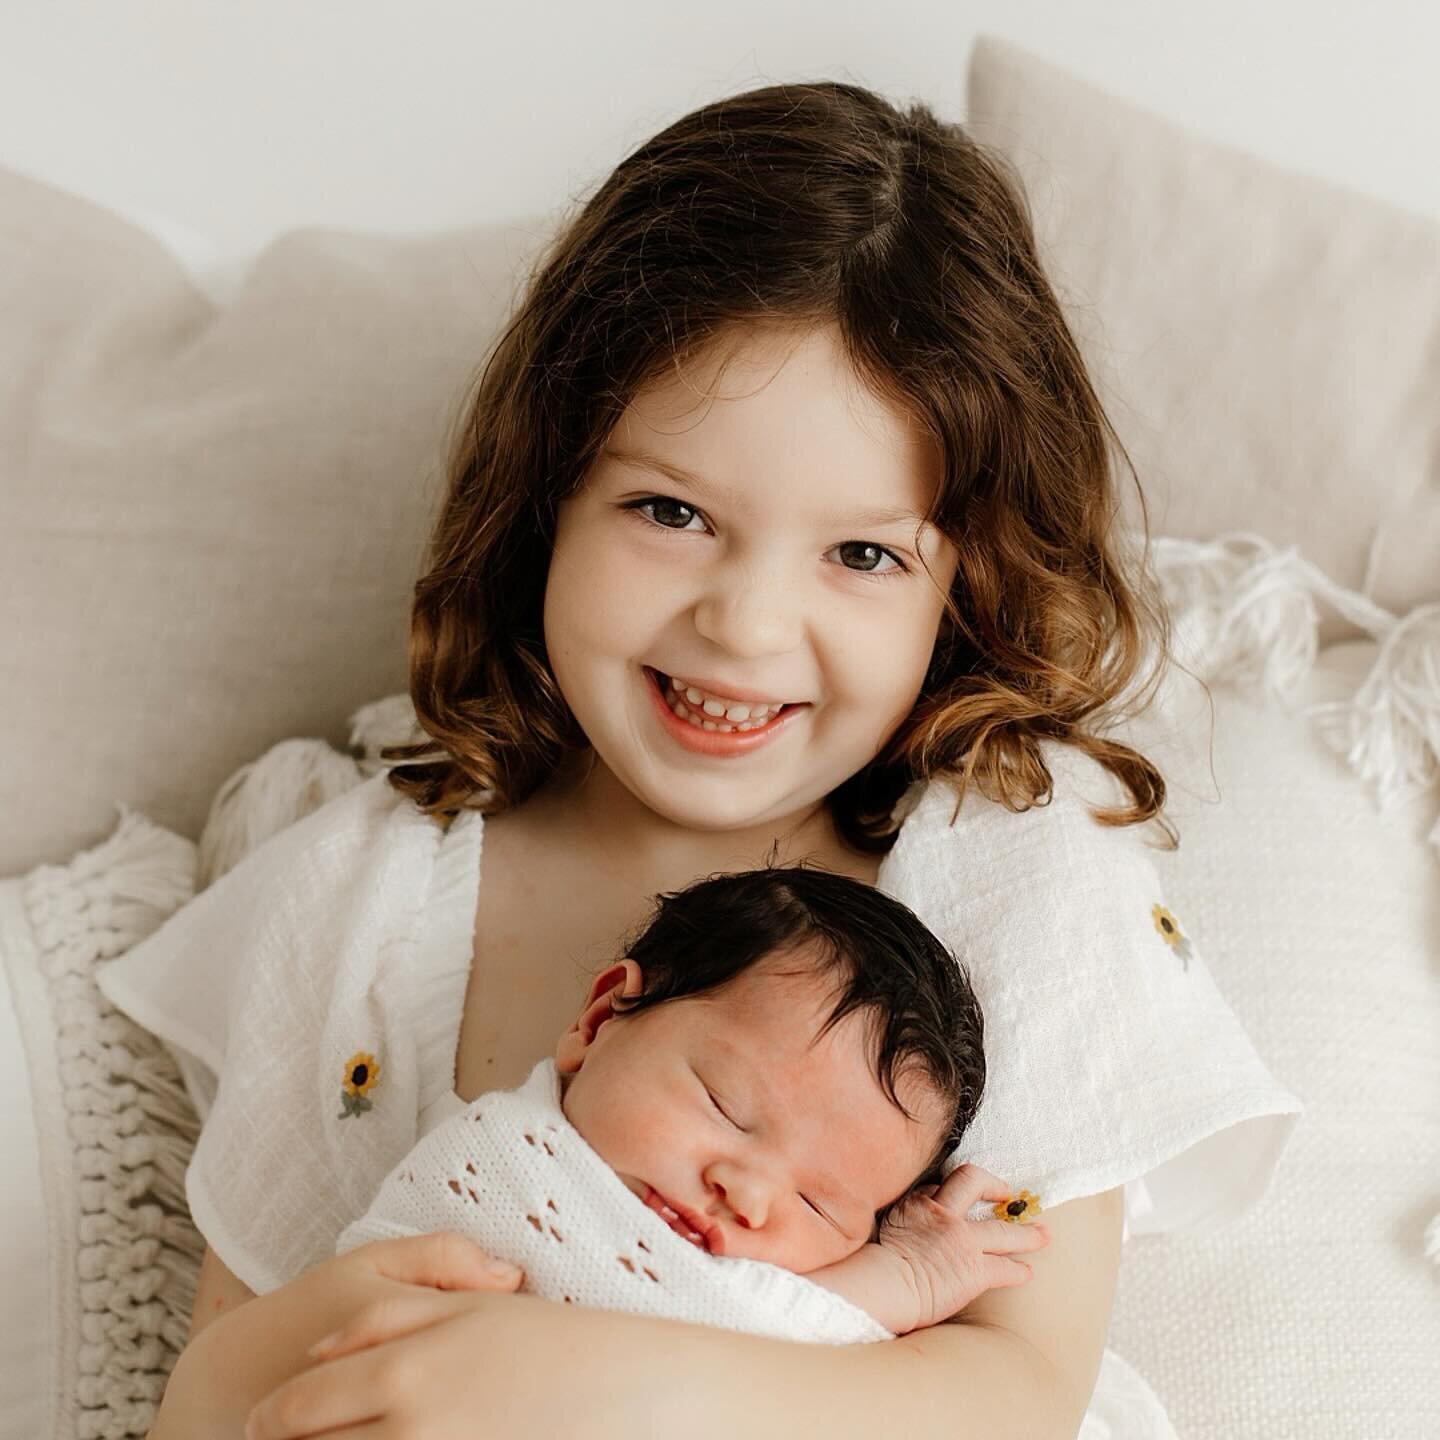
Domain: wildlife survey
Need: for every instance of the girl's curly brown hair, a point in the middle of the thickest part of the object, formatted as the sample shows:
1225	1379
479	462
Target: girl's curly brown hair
806	204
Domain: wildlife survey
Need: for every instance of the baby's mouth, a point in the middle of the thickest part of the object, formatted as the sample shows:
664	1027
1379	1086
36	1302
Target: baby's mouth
655	1201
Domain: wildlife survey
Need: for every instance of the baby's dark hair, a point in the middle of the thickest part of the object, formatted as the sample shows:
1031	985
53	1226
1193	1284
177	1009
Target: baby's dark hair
923	1011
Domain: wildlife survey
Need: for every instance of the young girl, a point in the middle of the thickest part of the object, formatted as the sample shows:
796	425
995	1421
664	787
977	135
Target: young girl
780	528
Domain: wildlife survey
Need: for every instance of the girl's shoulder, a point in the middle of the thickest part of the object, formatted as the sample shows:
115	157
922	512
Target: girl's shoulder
940	825
1049	877
1109	1050
356	829
309	1020
290	906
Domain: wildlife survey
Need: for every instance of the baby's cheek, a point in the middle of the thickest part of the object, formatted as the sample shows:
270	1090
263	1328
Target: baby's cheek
818	1251
651	1128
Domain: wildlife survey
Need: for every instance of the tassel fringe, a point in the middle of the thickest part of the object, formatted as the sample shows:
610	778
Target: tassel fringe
1246	612
130	1129
390	721
295	777
264	797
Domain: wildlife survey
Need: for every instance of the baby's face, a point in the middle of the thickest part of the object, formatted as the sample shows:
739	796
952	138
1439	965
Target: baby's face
720	1109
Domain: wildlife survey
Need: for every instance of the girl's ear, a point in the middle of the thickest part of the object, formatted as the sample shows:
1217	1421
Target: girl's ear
623	978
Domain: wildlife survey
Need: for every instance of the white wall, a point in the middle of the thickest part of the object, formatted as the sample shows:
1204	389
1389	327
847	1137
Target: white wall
239	119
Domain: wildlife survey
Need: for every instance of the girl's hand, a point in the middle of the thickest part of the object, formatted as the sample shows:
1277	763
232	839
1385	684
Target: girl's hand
486	1366
241	1359
944	1260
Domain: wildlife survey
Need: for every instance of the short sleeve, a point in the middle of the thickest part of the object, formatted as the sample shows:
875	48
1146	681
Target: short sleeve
303	1015
1111	1057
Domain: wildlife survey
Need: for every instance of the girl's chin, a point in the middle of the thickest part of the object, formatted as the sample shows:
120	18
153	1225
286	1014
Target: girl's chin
708	807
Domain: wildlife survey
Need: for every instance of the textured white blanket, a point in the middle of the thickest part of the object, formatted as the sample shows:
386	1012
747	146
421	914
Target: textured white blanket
510	1172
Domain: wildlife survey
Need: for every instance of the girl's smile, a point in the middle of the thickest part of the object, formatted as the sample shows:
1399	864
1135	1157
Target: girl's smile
704	724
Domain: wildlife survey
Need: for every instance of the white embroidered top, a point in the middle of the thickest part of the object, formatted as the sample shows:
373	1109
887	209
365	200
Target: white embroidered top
1112	1058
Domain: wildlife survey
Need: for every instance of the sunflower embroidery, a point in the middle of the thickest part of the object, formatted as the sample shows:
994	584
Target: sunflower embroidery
1018	1209
362	1071
1170	932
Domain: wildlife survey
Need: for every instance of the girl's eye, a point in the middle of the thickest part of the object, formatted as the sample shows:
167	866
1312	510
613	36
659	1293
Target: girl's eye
864	557
668	513
869	557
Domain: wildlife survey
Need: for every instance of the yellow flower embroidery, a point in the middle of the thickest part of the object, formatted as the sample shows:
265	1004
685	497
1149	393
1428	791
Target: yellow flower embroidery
1169	929
1018	1209
362	1073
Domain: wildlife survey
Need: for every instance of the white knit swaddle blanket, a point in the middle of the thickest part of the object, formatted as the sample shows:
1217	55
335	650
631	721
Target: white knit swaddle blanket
511	1173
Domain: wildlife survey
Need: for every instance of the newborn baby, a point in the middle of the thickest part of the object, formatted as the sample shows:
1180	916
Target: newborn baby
744	1126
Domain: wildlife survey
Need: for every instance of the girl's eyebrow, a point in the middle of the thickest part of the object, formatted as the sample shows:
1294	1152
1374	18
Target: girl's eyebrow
645	460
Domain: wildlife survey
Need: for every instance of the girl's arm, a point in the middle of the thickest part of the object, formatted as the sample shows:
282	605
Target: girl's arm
1019	1363
217	1293
241	1347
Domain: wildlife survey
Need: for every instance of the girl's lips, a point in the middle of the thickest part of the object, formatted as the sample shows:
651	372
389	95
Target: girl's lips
714	742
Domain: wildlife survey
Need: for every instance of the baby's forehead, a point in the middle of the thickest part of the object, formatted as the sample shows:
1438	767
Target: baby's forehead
847	1048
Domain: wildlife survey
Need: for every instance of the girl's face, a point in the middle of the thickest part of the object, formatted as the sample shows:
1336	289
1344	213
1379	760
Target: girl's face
727	558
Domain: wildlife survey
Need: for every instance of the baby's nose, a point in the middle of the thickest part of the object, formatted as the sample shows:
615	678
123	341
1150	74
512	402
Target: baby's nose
745	1200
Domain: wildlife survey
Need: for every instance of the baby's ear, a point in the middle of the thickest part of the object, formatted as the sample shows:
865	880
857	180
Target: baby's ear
621	978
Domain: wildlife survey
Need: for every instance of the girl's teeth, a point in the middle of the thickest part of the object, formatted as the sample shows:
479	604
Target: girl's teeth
733	711
707	713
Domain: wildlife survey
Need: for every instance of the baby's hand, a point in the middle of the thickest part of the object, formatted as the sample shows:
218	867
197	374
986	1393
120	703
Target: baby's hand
945	1260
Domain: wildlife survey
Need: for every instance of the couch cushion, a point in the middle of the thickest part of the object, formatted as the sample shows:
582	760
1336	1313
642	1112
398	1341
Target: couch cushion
1267	345
210	519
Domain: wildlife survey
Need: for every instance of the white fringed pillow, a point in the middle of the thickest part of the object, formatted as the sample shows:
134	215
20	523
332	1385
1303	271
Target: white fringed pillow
106	1251
1319	916
1309	873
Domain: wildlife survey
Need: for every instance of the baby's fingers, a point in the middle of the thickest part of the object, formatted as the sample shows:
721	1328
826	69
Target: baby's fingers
967	1185
999	1237
1001	1273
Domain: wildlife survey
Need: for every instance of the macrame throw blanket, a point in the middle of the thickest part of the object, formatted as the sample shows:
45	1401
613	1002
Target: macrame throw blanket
510	1172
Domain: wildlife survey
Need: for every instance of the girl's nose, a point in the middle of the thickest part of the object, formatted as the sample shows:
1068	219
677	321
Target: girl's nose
749	613
742	1192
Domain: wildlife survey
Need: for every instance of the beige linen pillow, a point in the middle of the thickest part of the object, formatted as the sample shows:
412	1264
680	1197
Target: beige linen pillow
210	519
1267	345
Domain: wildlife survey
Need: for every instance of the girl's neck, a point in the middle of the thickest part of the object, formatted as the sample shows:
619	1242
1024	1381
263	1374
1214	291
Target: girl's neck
606	818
